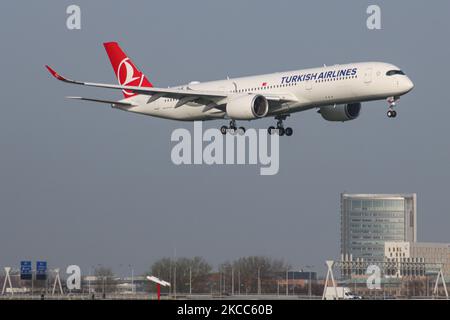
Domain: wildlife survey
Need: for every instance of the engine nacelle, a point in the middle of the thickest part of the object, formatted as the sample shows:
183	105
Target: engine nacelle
248	107
341	112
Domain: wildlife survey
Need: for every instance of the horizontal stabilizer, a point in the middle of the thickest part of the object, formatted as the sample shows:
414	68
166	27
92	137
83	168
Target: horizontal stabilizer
113	103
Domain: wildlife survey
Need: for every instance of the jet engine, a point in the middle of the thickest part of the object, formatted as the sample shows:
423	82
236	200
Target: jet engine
341	112
247	107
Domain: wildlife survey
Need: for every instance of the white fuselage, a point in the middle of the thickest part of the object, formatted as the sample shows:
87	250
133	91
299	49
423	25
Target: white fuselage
307	88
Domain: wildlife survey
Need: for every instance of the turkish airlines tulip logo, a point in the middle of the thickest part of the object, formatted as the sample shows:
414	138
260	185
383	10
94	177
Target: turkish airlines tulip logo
126	76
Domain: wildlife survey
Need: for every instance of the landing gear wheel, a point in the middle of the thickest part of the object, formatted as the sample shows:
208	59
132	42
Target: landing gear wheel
391	113
232	129
241	131
288	131
271	130
280	128
223	130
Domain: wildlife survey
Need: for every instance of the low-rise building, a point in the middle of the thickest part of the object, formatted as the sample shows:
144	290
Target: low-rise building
409	258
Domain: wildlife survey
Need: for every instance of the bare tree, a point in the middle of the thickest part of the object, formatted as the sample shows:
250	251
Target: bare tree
106	281
255	273
190	274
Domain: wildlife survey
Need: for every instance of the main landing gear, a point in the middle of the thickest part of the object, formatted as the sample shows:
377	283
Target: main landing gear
232	129
280	130
391	113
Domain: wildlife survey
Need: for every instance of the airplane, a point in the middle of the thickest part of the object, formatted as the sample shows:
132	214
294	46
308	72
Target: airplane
335	91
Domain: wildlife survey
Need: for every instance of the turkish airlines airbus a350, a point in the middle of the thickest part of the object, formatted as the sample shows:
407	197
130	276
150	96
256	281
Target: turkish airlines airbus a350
336	91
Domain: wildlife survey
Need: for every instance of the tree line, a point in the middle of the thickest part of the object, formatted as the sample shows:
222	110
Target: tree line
246	275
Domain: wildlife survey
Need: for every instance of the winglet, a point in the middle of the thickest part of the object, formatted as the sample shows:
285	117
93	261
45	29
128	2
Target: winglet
55	74
60	77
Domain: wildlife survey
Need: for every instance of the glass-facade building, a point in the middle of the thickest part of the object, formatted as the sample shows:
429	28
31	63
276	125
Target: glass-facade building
369	220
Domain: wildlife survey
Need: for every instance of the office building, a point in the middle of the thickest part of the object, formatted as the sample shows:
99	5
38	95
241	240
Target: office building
369	220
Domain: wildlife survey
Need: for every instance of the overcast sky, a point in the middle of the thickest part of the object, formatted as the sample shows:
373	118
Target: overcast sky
84	184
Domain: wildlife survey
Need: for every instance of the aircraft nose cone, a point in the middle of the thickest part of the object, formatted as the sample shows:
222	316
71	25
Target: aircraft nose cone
409	85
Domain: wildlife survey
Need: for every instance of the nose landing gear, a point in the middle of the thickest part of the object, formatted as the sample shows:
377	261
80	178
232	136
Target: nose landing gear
391	113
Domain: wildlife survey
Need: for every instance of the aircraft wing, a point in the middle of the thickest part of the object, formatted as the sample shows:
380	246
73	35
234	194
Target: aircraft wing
183	95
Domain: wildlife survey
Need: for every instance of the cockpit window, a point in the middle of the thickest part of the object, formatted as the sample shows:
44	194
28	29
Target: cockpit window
393	72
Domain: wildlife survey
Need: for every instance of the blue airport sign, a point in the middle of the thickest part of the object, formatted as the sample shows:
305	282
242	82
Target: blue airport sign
41	270
26	271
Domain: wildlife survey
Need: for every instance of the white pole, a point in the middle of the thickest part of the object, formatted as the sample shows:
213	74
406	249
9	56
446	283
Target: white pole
54	284
326	284
287	282
232	281
220	282
132	280
436	286
7	279
309	284
329	264
60	285
32	283
175	281
443	282
89	280
4	283
170	277
175	274
239	281
224	281
57	280
259	282
190	280
334	284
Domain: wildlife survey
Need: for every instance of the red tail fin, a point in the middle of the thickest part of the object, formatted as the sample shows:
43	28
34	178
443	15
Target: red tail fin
126	71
